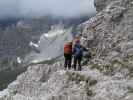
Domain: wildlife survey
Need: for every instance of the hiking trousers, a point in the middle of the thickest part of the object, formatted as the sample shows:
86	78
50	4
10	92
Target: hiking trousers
77	60
68	61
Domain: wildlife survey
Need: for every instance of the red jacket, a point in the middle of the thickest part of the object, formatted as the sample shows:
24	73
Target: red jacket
68	48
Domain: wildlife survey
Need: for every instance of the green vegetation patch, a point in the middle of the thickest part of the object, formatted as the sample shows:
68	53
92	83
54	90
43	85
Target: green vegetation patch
77	77
93	51
106	69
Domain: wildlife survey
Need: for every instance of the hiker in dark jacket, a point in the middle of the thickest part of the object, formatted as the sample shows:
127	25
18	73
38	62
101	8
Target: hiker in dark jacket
68	55
78	54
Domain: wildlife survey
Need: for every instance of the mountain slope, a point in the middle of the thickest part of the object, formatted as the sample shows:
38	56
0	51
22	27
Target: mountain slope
108	76
19	43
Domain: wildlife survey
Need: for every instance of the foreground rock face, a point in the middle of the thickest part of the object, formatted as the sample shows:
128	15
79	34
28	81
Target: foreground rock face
45	82
110	33
107	77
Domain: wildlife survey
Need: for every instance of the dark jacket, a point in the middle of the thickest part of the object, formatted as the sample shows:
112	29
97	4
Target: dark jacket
78	50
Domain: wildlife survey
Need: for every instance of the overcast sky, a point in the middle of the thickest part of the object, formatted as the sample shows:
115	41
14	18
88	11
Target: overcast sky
38	8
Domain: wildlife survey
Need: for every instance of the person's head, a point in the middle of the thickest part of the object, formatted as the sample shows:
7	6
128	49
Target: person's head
77	37
77	41
70	42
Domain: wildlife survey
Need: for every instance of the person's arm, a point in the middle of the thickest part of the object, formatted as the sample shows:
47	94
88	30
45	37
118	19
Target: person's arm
73	50
84	49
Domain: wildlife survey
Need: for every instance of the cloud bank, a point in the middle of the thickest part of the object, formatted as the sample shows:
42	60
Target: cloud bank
39	8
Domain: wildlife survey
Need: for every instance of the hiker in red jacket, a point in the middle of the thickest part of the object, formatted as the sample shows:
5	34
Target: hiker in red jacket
68	54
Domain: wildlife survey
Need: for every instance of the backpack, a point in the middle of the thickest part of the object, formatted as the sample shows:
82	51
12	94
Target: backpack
78	50
68	48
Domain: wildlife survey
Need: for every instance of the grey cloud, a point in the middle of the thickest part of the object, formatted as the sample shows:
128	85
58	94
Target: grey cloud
38	8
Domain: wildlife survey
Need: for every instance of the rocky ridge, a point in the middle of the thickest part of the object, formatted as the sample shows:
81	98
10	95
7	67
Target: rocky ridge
110	34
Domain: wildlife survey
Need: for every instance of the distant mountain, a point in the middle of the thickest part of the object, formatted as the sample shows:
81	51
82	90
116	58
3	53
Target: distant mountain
16	35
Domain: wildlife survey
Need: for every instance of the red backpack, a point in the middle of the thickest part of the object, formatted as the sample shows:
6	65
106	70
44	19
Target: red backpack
68	48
